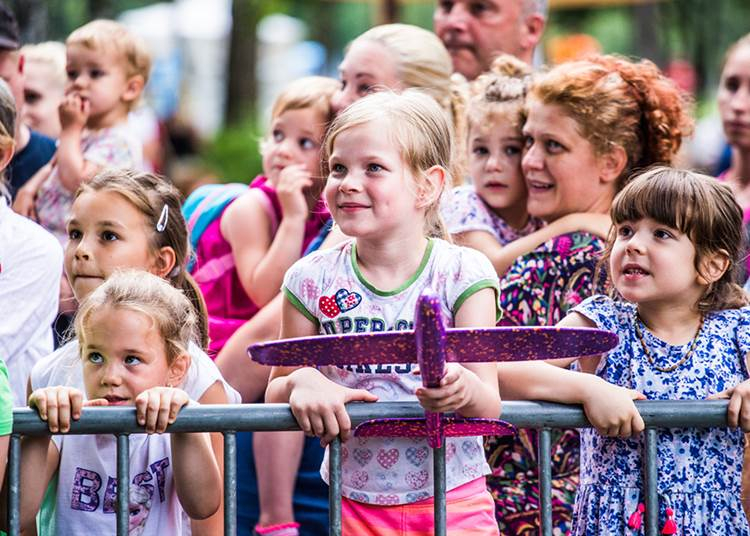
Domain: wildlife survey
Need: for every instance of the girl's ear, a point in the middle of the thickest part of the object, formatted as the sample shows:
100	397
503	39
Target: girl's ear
164	262
429	192
612	164
133	88
6	155
177	370
712	267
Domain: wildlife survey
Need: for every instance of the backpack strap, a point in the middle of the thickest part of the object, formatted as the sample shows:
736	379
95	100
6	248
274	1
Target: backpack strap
205	204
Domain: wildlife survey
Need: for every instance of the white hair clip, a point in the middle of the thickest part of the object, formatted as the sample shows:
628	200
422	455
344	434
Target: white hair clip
163	219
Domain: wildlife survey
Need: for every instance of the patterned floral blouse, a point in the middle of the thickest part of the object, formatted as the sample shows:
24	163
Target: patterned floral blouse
540	289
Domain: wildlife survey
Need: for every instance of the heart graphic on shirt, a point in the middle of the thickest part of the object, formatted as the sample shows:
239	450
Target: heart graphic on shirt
416	479
347	300
471	471
362	456
418	496
416	456
387	458
328	306
359	479
359	497
386	499
470	448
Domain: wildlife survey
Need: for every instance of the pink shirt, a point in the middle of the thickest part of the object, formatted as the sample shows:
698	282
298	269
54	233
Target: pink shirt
228	304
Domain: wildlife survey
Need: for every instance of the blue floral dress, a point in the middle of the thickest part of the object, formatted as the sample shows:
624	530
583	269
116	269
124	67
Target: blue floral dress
699	469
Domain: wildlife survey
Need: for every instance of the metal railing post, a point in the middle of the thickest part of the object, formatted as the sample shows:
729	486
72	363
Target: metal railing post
334	487
230	483
650	478
438	472
14	485
123	484
545	481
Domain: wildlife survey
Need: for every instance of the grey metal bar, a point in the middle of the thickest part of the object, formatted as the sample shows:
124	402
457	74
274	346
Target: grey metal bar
278	417
334	488
438	465
545	481
230	484
123	484
14	485
650	476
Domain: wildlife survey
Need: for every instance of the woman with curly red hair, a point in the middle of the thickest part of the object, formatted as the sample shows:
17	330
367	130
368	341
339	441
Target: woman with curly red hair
589	125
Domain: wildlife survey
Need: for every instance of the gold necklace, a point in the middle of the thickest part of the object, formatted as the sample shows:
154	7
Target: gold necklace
650	357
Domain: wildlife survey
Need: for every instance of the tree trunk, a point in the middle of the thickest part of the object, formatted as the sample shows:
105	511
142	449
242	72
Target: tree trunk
241	86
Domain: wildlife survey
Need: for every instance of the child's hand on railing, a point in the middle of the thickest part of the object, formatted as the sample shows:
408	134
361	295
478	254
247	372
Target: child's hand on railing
610	409
58	405
738	411
452	394
156	408
318	404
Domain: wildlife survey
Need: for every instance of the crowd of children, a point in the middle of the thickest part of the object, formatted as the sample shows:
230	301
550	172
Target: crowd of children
511	197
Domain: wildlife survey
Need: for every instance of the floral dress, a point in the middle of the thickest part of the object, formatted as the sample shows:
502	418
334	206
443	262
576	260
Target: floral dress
540	289
699	469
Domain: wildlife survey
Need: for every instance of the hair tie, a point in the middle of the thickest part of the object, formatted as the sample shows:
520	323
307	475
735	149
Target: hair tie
175	272
163	219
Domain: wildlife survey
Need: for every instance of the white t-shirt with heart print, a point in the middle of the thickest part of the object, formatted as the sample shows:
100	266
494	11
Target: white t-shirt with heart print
329	289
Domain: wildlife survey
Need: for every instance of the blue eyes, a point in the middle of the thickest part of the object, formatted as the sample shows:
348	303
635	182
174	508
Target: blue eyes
96	358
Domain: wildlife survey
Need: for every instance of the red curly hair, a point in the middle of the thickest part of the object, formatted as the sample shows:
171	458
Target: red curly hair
619	102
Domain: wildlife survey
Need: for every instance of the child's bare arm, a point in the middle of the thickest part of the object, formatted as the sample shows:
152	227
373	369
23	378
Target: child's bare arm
36	452
216	394
609	408
199	489
503	257
261	259
72	168
25	201
197	477
318	403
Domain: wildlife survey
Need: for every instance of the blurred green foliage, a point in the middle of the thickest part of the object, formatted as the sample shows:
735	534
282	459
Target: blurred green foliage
234	153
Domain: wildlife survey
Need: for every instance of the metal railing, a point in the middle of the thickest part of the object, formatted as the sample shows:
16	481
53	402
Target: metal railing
229	419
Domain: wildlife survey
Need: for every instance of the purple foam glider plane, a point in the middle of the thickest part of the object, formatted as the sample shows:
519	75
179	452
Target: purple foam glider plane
431	345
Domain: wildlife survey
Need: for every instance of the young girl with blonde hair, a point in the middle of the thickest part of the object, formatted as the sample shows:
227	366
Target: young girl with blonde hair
107	69
134	331
245	248
388	157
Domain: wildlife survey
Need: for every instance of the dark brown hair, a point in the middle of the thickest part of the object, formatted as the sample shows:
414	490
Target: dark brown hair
698	206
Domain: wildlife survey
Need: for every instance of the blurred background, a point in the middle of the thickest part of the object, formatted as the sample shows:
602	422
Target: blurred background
219	63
